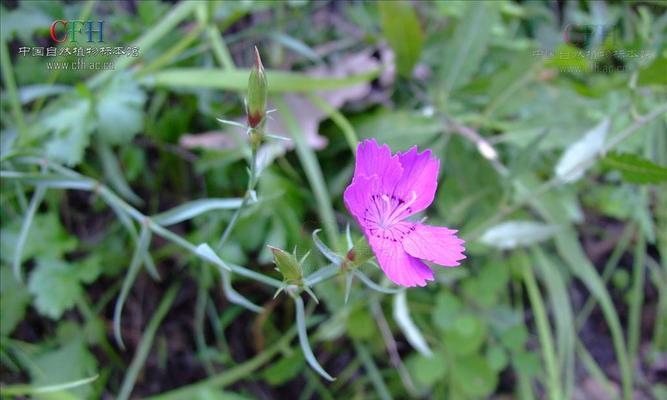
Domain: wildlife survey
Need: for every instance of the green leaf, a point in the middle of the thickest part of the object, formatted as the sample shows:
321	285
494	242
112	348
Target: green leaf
401	28
568	58
285	369
68	125
579	156
463	54
511	234
635	169
467	335
281	81
303	340
400	129
23	21
427	371
447	309
654	73
119	110
194	208
14	300
474	377
360	325
55	285
408	327
70	362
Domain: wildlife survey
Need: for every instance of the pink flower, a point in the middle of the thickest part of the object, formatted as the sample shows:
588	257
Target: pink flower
387	189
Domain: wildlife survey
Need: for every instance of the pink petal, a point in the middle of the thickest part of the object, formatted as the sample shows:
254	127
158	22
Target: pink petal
420	175
377	160
436	244
357	196
399	266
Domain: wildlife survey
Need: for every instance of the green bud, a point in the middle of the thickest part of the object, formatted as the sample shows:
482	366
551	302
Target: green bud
360	252
257	93
287	264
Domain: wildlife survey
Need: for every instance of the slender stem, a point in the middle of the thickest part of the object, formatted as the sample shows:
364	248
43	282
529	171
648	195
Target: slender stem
543	331
146	343
636	297
252	181
12	92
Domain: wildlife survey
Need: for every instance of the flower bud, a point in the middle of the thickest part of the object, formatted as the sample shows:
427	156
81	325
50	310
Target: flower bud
287	264
257	93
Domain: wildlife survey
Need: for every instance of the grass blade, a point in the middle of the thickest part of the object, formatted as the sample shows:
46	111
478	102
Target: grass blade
139	253
113	173
237	80
543	331
408	327
36	200
303	340
145	344
194	208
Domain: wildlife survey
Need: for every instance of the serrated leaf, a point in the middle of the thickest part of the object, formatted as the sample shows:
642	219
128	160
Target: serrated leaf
635	169
55	285
401	28
70	362
511	234
46	238
579	156
68	125
119	110
14	299
408	327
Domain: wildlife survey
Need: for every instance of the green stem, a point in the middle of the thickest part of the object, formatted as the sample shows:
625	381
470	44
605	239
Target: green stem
12	92
232	375
636	298
146	343
313	173
252	181
543	331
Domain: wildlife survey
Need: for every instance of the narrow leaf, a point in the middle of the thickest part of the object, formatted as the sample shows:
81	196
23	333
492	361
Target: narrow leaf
408	327
139	255
326	251
579	156
303	340
511	234
372	285
465	50
114	174
401	28
205	251
194	208
36	200
234	296
281	81
348	285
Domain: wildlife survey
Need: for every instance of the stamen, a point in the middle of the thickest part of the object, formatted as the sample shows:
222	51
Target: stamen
401	208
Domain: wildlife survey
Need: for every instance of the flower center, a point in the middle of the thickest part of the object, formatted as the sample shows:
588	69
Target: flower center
385	213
